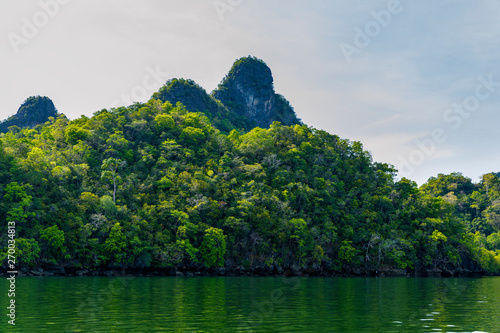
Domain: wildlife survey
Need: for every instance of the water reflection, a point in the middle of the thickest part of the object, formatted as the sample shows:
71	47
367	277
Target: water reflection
196	304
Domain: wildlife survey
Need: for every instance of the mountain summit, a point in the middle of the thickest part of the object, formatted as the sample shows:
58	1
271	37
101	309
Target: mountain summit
248	91
35	110
243	100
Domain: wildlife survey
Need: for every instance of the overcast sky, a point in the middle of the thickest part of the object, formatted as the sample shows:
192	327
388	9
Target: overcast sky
417	82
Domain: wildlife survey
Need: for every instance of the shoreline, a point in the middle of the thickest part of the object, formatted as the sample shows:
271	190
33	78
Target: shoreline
60	271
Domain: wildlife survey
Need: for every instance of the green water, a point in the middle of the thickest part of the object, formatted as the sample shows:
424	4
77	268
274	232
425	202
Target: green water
201	304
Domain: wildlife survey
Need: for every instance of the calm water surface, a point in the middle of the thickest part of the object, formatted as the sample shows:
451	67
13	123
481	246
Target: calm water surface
222	304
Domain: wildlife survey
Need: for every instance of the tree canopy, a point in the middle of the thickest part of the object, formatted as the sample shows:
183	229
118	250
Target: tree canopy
155	185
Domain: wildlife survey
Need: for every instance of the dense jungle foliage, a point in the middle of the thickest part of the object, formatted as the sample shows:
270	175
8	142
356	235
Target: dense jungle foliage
155	185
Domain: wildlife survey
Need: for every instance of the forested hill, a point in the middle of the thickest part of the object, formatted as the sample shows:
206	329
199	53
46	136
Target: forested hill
156	187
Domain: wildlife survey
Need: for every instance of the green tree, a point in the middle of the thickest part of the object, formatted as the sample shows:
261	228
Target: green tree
192	136
15	194
493	240
115	243
27	252
89	203
73	134
347	252
164	122
300	238
213	247
110	168
54	238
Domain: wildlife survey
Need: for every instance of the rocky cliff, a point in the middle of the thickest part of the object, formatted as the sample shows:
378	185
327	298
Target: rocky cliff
248	90
243	100
35	110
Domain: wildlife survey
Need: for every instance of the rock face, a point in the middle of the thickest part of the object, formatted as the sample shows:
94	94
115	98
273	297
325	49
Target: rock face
35	110
247	90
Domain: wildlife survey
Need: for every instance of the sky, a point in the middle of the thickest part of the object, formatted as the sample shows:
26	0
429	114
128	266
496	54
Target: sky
418	83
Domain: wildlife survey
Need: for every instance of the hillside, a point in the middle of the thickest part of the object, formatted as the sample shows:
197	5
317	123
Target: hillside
155	187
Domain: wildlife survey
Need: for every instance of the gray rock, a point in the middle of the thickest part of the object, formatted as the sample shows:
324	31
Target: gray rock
248	90
35	110
82	272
